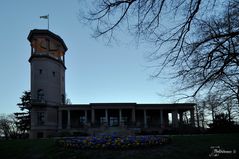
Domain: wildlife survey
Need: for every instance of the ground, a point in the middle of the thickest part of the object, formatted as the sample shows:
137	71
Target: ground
183	147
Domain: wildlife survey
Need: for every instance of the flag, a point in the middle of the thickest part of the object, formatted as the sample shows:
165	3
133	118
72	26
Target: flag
45	16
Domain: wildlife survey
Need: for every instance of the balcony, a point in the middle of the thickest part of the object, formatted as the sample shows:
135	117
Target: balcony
38	101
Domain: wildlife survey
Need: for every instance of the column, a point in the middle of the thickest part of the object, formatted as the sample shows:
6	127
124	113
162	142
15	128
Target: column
92	116
145	119
68	119
181	117
120	117
192	121
161	119
31	49
59	119
85	116
133	116
175	118
165	118
106	117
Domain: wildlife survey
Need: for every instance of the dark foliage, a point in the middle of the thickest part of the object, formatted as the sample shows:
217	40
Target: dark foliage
222	124
23	121
23	118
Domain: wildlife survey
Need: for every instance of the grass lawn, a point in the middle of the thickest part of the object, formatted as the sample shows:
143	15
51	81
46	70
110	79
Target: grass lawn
182	147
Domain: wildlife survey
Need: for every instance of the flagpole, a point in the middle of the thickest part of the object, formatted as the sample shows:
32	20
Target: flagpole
48	20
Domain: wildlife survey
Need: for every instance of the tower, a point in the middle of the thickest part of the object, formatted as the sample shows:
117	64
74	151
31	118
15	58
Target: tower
47	62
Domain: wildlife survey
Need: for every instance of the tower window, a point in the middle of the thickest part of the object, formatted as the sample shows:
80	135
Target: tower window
40	94
54	73
40	118
40	71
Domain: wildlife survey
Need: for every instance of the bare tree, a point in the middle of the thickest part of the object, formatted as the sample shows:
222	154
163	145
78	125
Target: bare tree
211	61
201	111
230	108
202	115
197	110
213	103
8	126
146	17
198	39
4	126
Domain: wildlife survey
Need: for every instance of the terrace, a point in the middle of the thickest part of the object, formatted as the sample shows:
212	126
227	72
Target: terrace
125	115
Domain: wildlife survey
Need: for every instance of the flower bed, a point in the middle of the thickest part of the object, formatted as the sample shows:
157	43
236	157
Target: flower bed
112	142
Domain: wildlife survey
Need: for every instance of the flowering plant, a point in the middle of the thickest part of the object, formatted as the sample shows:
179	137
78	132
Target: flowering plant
112	142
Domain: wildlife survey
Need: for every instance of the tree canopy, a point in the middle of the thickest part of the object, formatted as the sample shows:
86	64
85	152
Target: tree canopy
196	39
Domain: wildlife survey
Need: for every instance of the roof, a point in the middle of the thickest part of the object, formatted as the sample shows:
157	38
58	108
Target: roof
171	106
48	33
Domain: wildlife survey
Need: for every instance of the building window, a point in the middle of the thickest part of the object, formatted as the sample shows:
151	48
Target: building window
40	118
82	120
102	120
40	94
40	71
124	120
54	73
114	121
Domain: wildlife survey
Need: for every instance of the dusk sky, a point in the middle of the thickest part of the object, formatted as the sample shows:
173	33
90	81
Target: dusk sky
96	72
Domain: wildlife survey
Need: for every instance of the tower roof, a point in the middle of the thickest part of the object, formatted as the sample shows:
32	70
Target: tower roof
48	33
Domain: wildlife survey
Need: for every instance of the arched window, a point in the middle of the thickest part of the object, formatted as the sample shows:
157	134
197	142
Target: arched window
40	118
53	73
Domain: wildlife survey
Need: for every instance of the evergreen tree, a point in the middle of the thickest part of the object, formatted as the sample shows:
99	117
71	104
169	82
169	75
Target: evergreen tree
23	118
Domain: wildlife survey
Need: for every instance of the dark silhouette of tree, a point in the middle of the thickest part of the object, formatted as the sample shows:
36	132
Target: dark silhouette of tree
222	124
145	17
23	118
230	108
67	100
211	61
4	126
213	103
197	39
200	113
8	126
25	101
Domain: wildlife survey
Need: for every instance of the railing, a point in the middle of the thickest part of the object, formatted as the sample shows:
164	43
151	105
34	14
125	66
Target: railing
43	101
38	101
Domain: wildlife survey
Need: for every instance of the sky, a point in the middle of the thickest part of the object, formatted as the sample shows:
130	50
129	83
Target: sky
96	72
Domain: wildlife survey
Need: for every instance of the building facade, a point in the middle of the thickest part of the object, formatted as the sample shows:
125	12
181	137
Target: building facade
51	115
